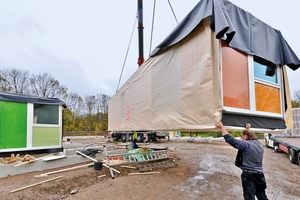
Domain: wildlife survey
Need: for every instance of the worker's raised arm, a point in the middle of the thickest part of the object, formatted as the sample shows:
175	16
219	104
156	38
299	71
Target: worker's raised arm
221	126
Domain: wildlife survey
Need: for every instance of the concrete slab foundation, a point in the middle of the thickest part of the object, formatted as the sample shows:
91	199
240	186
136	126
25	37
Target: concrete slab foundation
69	158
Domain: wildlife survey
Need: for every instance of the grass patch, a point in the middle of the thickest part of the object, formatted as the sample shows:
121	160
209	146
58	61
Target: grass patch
215	134
85	133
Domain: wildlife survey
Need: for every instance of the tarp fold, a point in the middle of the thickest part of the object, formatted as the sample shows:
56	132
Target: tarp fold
242	30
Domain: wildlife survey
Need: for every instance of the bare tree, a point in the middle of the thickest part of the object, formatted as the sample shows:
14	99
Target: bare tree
4	86
72	115
102	100
74	103
47	86
297	96
17	80
90	103
102	111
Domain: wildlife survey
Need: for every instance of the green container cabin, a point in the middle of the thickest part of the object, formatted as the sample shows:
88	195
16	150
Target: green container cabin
30	124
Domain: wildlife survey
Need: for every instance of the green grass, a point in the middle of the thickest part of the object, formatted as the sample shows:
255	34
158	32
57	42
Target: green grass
85	133
216	134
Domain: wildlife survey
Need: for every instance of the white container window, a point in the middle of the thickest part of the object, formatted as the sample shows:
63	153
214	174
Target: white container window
46	114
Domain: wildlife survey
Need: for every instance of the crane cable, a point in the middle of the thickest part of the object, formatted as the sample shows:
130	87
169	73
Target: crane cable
136	17
152	27
151	37
172	11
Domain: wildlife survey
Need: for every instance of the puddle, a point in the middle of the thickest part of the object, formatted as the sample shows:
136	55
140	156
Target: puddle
201	184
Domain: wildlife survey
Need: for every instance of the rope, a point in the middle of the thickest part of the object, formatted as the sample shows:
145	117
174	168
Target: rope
151	37
127	52
150	49
172	11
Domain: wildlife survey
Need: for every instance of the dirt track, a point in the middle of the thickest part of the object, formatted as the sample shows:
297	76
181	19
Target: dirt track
204	171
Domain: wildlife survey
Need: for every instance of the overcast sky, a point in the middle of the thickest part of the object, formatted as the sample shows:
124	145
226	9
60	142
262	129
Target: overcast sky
83	43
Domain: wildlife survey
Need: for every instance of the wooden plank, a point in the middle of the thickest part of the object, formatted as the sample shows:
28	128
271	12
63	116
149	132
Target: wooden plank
54	158
64	170
102	176
23	188
144	173
93	159
97	161
128	167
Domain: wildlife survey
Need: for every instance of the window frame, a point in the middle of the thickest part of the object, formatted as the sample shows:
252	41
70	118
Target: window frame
252	80
59	117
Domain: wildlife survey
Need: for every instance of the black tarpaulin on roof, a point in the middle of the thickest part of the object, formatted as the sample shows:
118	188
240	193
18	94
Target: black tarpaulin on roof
241	29
5	96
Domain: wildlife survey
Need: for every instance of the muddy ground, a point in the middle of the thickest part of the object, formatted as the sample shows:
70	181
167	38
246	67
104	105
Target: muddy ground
197	170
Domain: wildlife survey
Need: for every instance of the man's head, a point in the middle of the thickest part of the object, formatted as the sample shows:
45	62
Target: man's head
248	135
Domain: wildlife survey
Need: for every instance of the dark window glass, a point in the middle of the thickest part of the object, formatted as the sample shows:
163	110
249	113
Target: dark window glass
45	114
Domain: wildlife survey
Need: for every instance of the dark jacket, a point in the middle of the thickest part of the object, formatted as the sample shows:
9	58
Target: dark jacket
250	154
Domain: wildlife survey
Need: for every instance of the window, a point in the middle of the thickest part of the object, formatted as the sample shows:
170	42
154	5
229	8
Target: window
45	114
267	89
260	73
235	78
250	84
267	98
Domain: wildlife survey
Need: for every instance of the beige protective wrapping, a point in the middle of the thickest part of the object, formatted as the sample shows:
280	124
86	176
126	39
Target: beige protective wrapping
179	89
288	116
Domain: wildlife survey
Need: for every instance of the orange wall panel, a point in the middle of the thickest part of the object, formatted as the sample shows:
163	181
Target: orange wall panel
267	98
235	78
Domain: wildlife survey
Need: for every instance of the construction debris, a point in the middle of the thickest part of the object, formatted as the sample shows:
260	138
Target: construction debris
129	163
29	159
144	173
73	191
133	156
9	160
64	170
13	159
54	158
23	188
128	167
98	161
157	165
114	157
102	176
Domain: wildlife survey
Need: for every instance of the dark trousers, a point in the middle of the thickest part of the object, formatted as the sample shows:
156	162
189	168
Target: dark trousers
254	184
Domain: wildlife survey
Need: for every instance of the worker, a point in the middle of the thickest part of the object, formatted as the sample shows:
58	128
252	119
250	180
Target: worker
133	144
250	160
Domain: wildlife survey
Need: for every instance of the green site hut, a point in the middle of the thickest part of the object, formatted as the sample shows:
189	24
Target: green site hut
30	123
